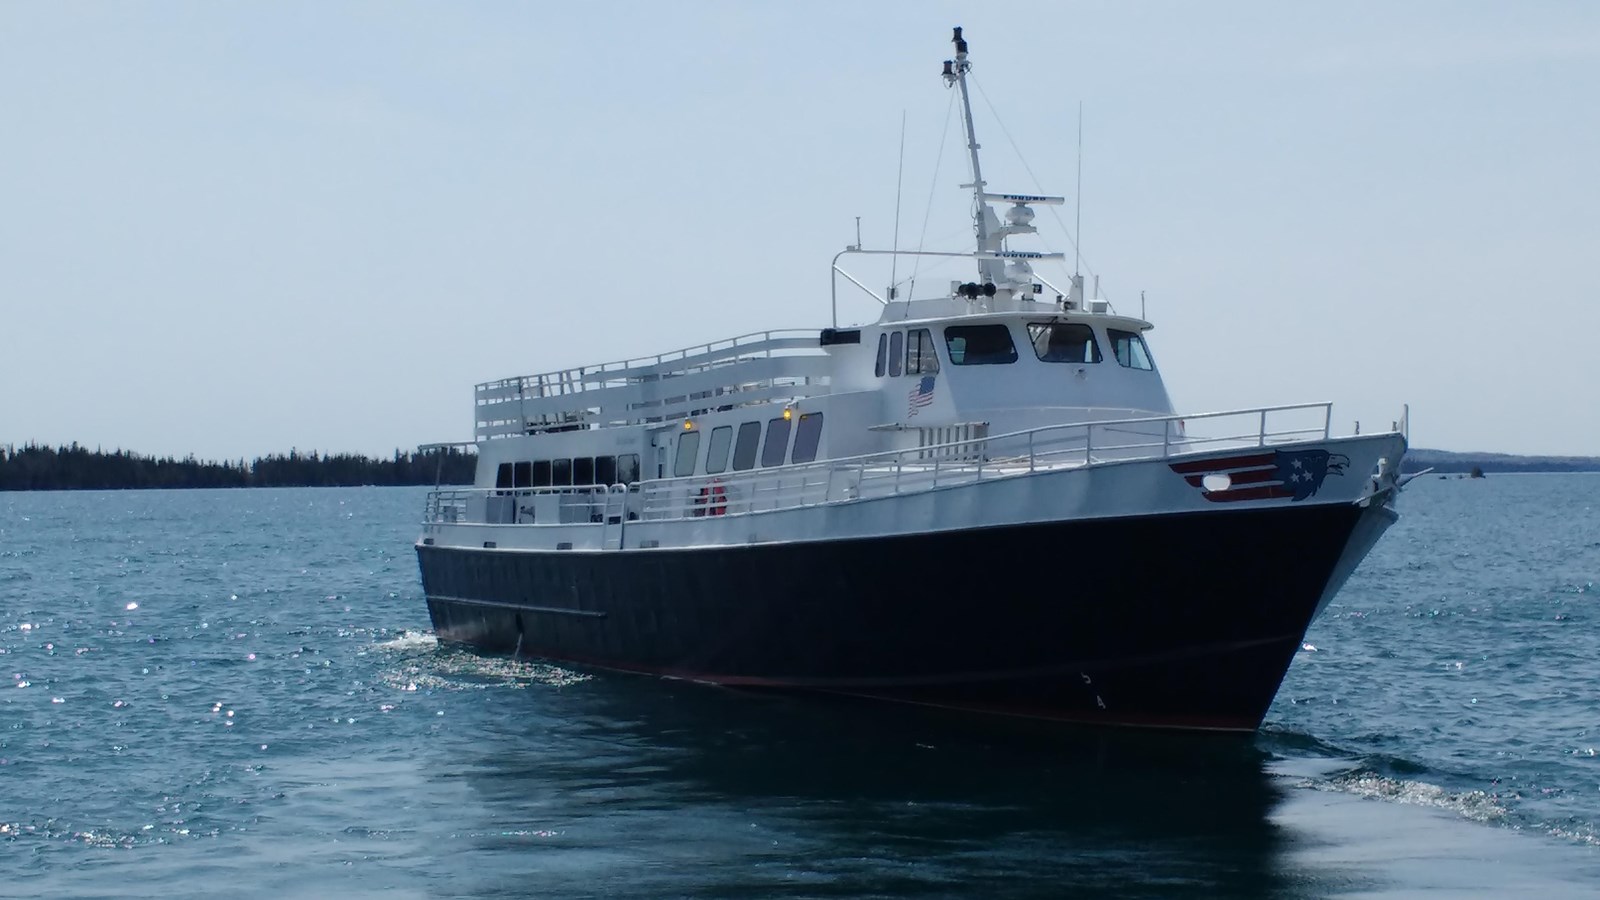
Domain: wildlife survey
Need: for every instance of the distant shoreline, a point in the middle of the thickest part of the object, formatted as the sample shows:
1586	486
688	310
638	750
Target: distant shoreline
75	468
1447	462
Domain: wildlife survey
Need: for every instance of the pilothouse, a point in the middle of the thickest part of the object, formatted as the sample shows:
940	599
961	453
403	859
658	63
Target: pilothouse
984	500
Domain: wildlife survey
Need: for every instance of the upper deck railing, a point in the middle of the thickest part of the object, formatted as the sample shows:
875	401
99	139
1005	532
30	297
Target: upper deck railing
751	368
913	470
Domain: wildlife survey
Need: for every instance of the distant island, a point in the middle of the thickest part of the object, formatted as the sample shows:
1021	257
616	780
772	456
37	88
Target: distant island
1449	462
39	468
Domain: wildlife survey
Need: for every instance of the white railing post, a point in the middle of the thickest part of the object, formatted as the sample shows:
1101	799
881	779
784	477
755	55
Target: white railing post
1261	434
1166	439
1088	444
1030	452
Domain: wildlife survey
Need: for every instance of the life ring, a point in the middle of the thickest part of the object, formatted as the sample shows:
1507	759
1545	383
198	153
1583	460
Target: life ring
712	500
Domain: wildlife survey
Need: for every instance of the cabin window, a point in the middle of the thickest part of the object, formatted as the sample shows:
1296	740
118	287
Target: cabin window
688	449
628	468
897	342
806	436
605	470
979	345
560	472
519	474
717	451
583	470
1064	342
921	358
744	449
777	442
1130	349
541	473
883	355
502	476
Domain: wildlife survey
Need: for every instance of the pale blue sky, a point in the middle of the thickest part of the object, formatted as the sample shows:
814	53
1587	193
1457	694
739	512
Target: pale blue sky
235	228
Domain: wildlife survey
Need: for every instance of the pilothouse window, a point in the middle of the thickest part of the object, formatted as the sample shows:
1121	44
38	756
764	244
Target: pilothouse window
1064	342
979	345
921	358
1130	349
896	343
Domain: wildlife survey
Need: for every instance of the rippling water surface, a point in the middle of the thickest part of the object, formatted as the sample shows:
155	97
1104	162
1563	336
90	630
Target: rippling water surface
236	691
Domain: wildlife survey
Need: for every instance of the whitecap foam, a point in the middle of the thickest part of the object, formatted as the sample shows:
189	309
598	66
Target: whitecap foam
1479	806
449	669
410	640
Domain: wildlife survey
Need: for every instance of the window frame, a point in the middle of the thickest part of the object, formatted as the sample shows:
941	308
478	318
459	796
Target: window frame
1050	327
883	355
813	436
927	357
1144	348
987	326
686	455
775	447
739	445
625	462
716	463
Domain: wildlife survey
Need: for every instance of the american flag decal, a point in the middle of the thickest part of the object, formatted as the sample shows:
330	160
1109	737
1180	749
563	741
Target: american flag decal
920	396
1275	474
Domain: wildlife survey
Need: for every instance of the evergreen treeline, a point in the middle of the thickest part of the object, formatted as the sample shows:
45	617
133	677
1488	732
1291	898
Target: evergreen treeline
36	468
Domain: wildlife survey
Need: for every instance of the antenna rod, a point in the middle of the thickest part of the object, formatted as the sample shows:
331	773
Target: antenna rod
1077	225
899	180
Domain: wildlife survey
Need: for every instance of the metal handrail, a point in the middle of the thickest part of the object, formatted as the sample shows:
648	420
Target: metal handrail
579	374
888	473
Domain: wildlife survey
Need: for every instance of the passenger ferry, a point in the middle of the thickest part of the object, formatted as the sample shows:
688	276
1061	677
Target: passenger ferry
983	501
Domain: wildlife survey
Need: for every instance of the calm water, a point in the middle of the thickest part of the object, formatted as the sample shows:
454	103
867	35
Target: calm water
236	691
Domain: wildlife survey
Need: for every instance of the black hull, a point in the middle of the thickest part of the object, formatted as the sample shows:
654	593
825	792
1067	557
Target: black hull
1186	621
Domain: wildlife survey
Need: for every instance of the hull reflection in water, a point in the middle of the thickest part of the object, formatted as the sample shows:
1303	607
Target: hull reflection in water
681	791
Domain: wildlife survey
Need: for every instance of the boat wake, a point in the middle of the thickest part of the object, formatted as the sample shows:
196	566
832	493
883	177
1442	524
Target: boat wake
421	664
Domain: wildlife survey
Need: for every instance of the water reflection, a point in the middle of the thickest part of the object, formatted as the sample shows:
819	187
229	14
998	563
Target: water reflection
629	786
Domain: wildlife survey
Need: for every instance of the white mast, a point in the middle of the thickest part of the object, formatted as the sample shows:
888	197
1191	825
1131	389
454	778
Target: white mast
1002	274
984	222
